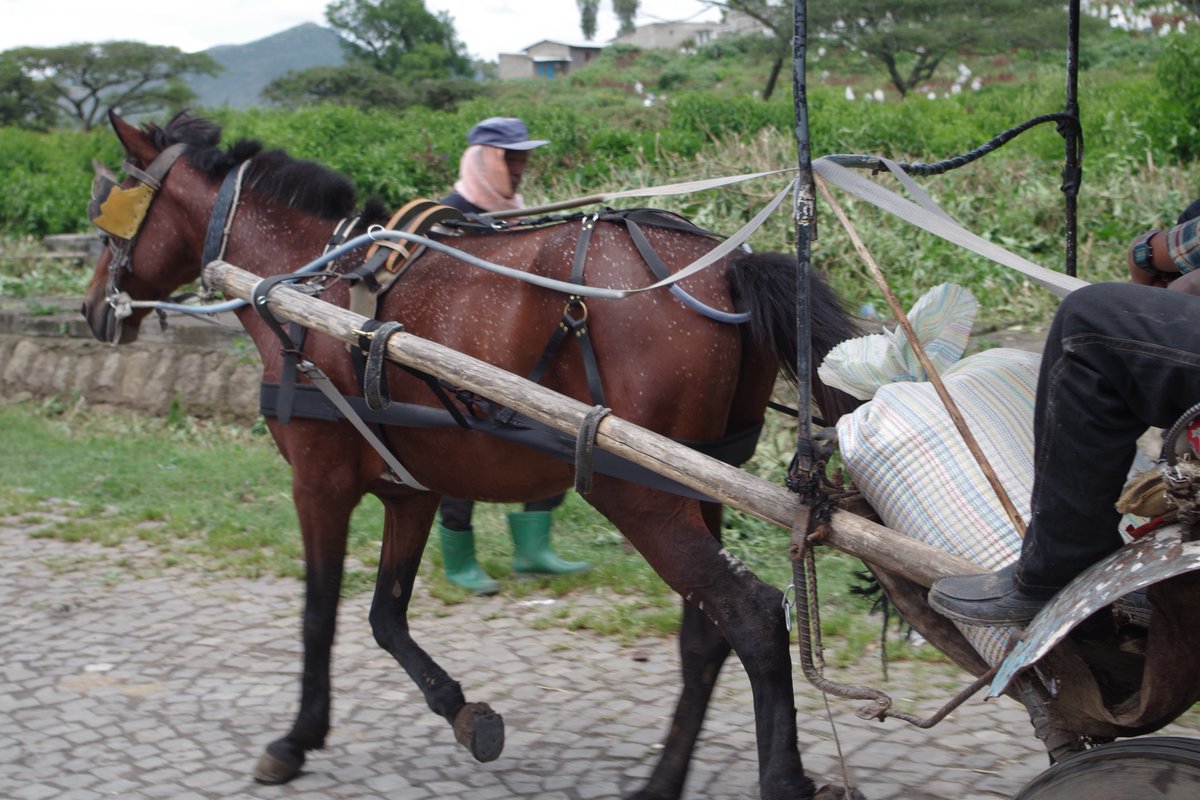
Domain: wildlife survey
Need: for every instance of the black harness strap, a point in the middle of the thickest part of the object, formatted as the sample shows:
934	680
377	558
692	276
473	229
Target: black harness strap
585	448
310	403
375	338
287	375
574	321
218	219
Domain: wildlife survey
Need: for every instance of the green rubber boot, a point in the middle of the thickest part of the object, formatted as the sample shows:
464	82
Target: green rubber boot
531	545
458	560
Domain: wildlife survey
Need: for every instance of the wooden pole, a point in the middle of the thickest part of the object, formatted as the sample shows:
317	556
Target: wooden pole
729	485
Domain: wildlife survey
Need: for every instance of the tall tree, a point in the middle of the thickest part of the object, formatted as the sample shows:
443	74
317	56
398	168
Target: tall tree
400	38
625	10
129	77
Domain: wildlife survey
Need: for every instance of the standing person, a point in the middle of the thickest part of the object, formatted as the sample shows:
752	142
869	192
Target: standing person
488	175
1119	359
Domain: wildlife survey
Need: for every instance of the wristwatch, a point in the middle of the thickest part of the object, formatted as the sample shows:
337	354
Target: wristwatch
1142	253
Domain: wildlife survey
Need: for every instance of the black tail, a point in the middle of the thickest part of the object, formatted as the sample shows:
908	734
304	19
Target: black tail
765	285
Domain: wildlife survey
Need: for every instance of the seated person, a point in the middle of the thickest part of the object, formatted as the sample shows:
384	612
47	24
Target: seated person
1119	359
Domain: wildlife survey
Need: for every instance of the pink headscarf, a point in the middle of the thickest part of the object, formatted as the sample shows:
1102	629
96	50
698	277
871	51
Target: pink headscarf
483	178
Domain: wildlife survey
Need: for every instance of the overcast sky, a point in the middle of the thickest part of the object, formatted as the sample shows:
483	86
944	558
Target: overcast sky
487	27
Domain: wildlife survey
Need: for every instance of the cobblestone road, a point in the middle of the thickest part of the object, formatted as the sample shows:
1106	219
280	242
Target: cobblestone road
168	685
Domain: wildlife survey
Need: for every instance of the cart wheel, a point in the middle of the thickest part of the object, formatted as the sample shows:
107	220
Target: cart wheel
1152	768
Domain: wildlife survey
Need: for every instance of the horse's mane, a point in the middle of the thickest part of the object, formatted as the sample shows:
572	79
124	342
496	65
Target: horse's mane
305	186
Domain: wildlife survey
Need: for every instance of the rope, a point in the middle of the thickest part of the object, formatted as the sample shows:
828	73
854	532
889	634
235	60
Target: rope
1067	124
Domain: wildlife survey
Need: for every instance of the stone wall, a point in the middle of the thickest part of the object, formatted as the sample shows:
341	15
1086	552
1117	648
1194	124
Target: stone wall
212	370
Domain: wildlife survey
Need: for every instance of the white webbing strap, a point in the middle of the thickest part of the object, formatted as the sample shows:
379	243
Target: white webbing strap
322	382
941	225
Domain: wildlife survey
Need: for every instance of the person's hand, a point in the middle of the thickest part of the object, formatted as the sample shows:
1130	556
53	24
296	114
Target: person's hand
1155	276
1188	282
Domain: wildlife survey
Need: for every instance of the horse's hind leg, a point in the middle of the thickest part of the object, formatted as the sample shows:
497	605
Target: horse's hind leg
405	531
702	652
671	534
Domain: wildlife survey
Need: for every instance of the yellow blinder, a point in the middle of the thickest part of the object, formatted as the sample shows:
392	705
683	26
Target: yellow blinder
117	210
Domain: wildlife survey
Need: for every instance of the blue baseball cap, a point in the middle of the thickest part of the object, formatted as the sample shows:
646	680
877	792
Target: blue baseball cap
509	133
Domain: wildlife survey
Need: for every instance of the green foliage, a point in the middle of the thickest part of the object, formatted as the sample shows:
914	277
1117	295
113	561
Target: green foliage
47	178
400	38
353	85
130	77
1179	76
24	102
910	39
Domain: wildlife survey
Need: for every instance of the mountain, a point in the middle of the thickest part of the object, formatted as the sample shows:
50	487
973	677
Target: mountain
250	67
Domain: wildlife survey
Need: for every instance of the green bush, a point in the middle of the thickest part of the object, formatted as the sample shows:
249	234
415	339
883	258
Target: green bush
1178	121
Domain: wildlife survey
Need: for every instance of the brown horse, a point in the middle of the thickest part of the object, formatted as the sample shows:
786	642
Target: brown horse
662	366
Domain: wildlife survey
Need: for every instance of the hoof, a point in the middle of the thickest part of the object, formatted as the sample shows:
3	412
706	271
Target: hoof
278	764
838	792
480	730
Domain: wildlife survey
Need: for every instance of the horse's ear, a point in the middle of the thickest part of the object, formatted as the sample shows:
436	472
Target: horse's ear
137	144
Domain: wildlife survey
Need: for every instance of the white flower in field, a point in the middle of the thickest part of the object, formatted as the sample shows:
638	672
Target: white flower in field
649	101
879	95
849	93
931	95
964	70
955	89
976	85
820	52
638	87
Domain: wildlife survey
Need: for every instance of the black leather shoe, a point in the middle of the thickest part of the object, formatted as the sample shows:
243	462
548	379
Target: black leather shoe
991	599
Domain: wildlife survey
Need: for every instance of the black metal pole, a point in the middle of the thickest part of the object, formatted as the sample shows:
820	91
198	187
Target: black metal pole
1072	168
805	215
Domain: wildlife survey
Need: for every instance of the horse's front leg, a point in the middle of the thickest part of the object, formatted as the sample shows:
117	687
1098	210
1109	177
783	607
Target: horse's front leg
324	513
405	531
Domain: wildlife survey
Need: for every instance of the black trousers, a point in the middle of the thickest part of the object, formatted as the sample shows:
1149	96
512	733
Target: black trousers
1119	358
456	512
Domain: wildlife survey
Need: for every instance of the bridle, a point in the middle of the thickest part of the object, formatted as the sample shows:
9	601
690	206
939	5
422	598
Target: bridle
120	211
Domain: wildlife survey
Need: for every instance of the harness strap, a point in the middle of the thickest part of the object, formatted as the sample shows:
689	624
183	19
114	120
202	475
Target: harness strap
375	387
585	448
287	375
311	404
660	271
322	382
341	232
220	220
258	299
572	324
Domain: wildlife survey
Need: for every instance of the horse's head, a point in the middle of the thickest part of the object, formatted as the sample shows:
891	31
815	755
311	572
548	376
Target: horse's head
175	210
148	223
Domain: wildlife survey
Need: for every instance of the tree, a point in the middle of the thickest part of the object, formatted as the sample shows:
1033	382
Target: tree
400	38
775	16
911	38
354	84
129	77
625	10
24	102
362	87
